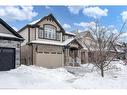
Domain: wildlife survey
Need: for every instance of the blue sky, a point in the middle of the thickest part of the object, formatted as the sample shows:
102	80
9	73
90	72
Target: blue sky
70	17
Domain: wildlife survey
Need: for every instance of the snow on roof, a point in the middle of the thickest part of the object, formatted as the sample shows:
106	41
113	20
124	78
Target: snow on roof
70	33
34	22
68	41
53	42
7	35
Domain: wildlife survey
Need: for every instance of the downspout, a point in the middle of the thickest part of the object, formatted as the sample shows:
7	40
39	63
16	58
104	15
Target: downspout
32	53
20	53
35	33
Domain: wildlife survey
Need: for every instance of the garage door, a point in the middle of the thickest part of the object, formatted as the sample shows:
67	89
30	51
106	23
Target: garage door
7	58
49	60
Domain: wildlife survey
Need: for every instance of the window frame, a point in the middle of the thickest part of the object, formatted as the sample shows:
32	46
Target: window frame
44	36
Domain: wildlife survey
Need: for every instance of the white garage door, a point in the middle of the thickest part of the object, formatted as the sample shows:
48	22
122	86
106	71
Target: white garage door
49	60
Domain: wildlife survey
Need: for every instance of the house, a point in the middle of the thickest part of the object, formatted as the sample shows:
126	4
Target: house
47	44
88	42
10	42
89	50
120	49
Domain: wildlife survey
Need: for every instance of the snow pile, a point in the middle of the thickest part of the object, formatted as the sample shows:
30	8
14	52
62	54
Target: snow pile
35	77
84	77
114	78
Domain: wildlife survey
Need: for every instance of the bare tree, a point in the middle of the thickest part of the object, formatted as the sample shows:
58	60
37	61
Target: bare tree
103	45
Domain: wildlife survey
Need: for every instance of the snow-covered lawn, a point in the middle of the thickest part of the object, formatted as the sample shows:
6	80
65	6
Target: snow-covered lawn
65	78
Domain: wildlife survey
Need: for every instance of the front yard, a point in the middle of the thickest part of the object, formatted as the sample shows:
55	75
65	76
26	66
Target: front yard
65	78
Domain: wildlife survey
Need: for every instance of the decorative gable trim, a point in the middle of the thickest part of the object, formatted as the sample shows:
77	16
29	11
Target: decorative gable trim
49	17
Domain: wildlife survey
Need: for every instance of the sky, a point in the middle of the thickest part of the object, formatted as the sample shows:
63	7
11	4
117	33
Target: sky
70	17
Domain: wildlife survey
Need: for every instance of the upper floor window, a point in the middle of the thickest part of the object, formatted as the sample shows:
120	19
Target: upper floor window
49	32
40	33
58	36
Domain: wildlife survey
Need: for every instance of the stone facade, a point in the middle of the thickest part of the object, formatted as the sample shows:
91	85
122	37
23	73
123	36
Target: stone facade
12	44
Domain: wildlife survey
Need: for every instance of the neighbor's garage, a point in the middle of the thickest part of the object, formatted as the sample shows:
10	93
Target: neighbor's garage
7	58
9	47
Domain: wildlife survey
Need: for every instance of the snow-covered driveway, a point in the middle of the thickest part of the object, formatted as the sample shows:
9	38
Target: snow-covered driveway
80	78
35	77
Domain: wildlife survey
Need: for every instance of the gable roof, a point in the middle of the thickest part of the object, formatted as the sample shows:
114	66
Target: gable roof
84	34
18	37
34	23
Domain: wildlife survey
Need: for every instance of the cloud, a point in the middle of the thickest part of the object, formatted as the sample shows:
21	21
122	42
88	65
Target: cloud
85	24
66	26
124	15
19	13
123	37
90	11
75	9
47	7
95	12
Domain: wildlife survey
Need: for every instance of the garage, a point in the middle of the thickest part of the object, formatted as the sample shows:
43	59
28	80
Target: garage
7	58
10	43
49	60
48	56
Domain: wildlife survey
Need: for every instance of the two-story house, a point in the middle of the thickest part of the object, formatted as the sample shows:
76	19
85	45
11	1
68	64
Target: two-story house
47	44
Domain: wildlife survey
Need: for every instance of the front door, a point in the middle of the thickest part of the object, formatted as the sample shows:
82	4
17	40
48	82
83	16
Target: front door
74	53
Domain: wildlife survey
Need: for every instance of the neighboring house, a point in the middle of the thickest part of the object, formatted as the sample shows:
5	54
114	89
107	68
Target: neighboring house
88	53
47	44
87	41
10	42
120	49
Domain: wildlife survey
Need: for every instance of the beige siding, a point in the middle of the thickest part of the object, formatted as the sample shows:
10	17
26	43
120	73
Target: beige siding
84	56
26	54
4	30
48	22
32	34
24	34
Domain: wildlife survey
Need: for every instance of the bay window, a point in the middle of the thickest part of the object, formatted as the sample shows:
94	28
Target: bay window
49	32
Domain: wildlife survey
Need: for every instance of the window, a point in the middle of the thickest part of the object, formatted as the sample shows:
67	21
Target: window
40	33
49	32
58	36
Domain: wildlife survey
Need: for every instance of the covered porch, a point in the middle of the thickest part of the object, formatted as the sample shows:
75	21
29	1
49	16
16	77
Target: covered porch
72	54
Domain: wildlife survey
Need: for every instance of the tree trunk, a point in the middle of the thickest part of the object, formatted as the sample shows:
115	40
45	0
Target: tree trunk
102	70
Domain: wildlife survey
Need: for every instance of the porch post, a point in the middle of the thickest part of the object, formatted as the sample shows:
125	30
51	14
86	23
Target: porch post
66	56
86	57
